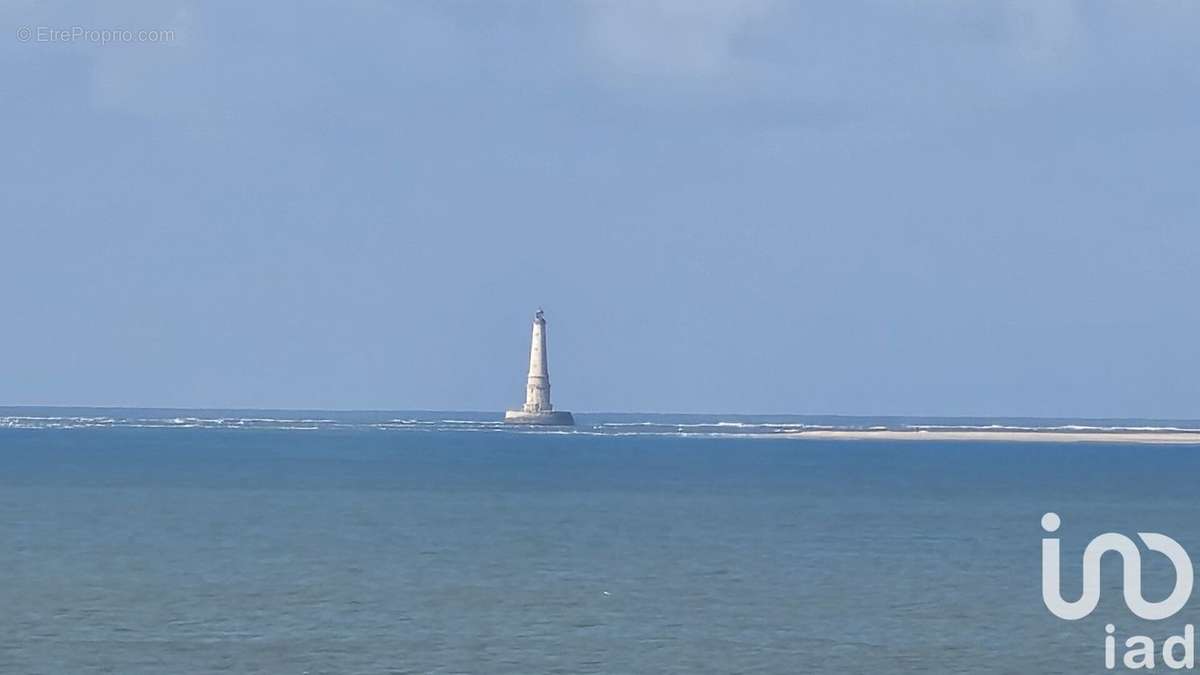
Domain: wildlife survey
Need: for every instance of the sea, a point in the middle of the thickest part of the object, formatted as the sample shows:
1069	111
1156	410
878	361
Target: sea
141	541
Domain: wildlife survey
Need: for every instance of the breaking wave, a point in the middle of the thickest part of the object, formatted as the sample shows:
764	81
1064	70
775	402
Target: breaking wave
623	425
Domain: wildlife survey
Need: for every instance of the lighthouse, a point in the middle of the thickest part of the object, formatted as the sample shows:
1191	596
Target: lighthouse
537	408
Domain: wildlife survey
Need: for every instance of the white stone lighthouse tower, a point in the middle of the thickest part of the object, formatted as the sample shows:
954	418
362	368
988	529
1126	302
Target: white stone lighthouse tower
537	408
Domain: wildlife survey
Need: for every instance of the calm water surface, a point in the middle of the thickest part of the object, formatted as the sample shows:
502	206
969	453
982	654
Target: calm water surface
140	542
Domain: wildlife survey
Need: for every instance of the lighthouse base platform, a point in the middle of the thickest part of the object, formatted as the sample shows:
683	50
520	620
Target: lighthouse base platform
556	418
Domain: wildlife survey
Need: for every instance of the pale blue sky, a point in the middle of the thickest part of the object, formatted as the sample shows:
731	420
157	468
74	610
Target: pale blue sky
842	207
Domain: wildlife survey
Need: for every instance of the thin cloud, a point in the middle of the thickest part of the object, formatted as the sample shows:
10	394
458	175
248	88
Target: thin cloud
670	38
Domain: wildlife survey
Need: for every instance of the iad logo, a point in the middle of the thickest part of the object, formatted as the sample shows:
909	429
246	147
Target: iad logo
1131	557
1140	648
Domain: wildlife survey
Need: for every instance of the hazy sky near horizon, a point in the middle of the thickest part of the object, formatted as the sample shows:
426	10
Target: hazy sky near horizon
842	207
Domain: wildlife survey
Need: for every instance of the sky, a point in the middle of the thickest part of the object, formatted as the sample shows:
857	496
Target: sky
935	208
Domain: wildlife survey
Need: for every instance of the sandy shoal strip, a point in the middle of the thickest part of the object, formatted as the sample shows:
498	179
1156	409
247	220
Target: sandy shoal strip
1173	437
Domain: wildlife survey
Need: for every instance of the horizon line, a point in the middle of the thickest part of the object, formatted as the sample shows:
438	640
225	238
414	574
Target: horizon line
585	412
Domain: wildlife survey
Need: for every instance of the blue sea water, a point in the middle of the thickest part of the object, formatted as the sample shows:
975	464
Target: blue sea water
152	541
